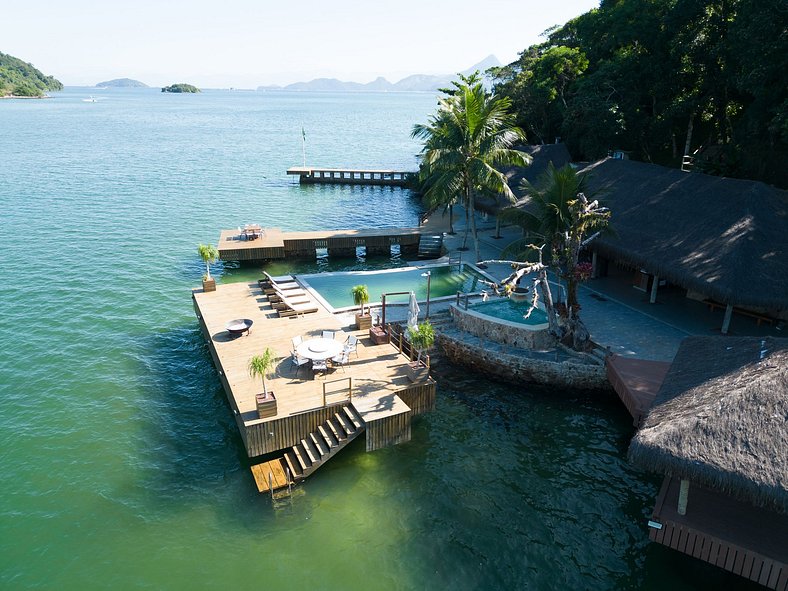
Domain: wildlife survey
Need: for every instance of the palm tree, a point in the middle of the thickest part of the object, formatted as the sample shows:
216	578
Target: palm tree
465	143
260	365
209	254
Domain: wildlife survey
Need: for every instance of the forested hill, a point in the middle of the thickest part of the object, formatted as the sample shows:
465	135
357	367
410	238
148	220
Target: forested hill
19	78
656	76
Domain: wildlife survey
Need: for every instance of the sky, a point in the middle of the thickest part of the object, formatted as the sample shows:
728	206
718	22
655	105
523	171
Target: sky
248	43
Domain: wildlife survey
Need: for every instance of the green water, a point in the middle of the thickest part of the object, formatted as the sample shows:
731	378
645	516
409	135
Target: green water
122	464
336	288
506	309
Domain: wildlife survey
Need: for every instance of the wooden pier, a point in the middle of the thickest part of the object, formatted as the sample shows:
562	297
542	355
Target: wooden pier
275	244
371	395
344	176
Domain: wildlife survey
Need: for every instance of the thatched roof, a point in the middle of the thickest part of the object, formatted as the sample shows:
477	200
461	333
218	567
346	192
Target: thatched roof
720	419
542	155
725	238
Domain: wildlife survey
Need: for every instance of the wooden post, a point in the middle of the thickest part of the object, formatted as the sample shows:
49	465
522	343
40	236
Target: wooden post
400	342
683	497
654	286
726	322
350	388
383	308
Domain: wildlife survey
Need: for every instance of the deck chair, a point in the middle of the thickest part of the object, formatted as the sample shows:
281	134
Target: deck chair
320	367
328	334
299	362
290	309
340	360
297	341
351	345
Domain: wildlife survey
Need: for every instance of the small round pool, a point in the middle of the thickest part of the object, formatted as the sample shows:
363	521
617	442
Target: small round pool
506	309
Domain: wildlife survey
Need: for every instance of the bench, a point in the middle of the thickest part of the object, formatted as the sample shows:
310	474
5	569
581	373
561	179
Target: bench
758	317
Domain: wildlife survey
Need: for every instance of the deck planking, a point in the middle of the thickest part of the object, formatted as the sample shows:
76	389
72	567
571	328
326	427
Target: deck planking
377	373
276	244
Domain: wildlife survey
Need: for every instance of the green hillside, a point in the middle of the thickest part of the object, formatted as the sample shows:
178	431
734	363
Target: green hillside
19	78
180	88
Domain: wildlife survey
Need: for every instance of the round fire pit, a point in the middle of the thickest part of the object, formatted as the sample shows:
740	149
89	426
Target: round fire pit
239	326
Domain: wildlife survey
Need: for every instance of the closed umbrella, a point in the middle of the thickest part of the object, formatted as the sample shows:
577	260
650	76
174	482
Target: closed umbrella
413	311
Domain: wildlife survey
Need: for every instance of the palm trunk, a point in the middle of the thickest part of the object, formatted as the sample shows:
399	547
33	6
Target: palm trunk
473	230
208	269
451	220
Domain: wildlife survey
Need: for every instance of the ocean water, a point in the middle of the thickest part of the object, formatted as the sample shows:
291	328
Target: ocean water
122	465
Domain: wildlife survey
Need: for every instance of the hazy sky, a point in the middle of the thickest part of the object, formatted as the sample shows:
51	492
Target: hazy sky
246	43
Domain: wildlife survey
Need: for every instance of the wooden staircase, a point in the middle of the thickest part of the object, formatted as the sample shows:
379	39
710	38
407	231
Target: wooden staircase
311	452
430	246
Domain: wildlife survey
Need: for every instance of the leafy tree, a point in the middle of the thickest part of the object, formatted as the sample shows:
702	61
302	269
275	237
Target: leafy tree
209	254
465	142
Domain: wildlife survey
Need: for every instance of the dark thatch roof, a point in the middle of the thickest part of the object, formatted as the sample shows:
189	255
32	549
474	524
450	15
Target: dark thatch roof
542	156
720	419
725	238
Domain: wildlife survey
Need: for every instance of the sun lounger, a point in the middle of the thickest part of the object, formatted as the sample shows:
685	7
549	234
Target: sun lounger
296	309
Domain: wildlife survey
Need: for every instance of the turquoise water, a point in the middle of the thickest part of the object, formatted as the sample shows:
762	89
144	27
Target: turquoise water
443	281
122	464
506	309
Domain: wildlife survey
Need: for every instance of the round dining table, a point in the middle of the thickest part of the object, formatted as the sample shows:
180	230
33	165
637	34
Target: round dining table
319	349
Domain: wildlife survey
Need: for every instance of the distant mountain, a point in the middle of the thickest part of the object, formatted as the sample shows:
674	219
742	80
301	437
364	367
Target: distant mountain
181	87
416	82
18	78
123	83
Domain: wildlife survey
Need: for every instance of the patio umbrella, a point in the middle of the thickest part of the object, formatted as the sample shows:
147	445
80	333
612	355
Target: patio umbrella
413	311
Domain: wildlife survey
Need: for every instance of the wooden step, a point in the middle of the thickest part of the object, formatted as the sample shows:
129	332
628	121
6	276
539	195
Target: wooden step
302	457
328	436
320	444
346	424
311	450
337	429
353	416
292	462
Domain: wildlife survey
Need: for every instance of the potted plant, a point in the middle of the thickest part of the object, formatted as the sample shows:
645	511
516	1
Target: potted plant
259	367
360	298
208	254
422	337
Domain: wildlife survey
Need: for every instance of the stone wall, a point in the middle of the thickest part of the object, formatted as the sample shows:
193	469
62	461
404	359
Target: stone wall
501	331
580	372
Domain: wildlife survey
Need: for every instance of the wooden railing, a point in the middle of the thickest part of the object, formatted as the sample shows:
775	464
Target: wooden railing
349	388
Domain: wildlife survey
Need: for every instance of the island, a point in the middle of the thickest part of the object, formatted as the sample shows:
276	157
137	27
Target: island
122	83
20	79
180	88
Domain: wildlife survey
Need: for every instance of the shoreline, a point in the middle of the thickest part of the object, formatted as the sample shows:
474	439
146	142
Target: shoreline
13	96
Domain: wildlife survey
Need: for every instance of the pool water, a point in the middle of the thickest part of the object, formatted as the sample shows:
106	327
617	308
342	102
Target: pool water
506	309
335	288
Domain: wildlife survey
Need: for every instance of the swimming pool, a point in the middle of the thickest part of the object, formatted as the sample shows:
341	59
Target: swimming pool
506	309
334	288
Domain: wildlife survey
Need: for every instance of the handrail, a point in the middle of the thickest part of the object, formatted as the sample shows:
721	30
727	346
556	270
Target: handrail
349	388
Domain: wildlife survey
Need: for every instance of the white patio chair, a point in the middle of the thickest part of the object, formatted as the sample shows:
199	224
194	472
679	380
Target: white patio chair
299	362
328	334
340	360
297	341
351	345
319	367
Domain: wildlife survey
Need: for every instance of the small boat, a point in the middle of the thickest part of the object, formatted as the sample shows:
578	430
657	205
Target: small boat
89	100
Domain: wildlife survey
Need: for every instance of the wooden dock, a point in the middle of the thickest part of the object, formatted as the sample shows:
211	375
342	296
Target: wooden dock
636	381
275	244
731	534
373	394
349	176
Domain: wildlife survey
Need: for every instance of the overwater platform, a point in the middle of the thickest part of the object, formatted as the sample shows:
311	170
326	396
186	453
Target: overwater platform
274	244
371	395
349	176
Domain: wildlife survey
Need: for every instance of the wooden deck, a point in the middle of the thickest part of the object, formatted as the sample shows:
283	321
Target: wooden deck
371	381
636	381
733	535
275	244
349	176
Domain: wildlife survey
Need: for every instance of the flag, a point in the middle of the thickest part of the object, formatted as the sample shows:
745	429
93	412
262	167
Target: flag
303	134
